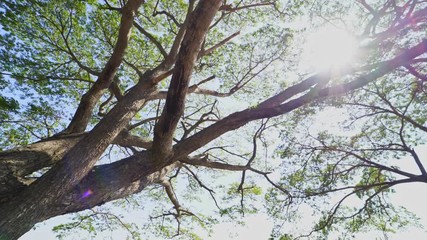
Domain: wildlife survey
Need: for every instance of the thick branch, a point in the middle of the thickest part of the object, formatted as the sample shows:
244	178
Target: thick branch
16	164
125	139
84	110
198	26
170	60
112	181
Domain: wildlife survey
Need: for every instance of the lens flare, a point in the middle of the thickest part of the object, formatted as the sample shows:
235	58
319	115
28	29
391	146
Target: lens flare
87	193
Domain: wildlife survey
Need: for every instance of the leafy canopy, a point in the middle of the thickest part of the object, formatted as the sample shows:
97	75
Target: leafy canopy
212	132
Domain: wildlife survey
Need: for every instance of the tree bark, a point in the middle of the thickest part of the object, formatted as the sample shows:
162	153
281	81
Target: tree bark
84	111
17	163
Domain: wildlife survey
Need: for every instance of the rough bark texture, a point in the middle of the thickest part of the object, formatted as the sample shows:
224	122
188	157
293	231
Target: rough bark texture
175	100
17	163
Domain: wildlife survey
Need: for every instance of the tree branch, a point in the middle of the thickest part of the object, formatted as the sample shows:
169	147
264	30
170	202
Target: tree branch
89	99
211	192
218	45
152	39
269	107
175	100
171	194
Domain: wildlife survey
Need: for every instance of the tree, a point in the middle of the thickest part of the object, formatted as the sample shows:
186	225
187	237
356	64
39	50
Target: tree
156	73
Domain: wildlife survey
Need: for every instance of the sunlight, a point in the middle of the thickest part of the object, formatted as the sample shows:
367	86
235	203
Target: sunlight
328	47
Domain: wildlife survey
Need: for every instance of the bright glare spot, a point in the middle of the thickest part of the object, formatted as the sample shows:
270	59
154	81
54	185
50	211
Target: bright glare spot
328	47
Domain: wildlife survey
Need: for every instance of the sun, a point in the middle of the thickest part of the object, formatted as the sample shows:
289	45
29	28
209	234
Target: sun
328	48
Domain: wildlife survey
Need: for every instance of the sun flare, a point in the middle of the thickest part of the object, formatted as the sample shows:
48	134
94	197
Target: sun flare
329	47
